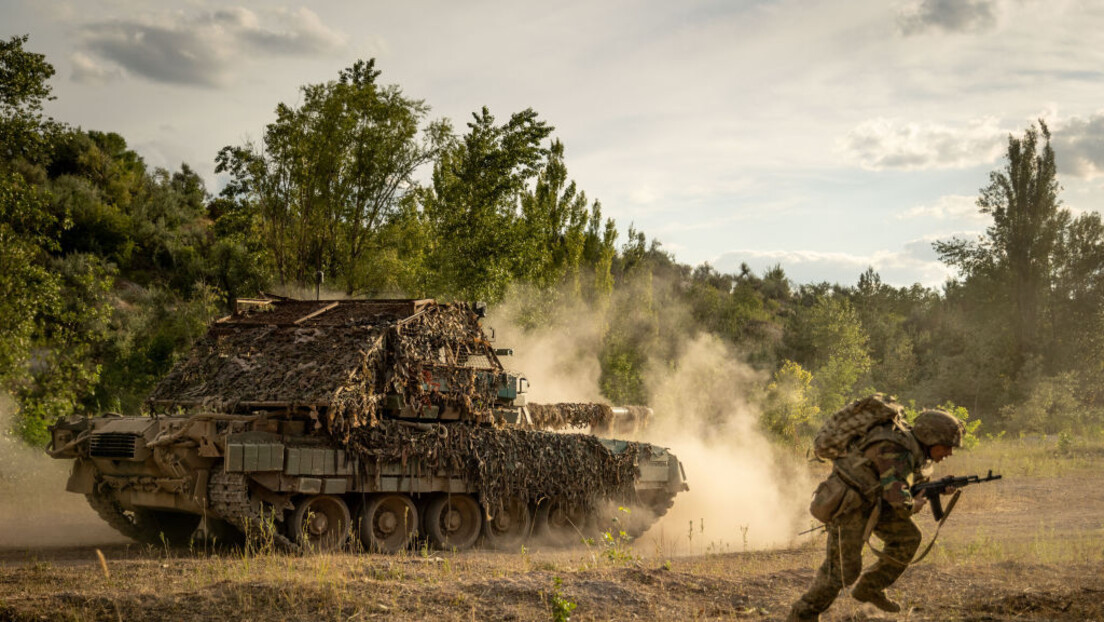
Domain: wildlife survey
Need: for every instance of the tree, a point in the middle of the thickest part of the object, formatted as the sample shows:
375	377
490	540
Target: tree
789	411
28	230
553	226
1017	251
330	172
83	226
70	330
884	312
473	204
775	285
598	253
731	307
1078	297
24	87
828	339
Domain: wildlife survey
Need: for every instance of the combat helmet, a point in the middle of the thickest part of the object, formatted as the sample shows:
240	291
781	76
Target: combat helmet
938	427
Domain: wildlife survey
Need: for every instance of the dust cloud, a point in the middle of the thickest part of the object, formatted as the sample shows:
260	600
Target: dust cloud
745	492
35	509
560	361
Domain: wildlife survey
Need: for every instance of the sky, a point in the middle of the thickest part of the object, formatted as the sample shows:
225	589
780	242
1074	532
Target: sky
823	136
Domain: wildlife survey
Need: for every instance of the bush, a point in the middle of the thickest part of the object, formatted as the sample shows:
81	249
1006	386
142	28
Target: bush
1052	406
790	410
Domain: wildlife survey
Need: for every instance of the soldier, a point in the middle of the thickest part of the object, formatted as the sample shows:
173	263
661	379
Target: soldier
881	468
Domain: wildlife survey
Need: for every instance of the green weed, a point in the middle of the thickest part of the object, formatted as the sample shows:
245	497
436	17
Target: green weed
562	606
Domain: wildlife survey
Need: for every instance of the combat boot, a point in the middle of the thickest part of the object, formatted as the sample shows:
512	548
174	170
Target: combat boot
875	597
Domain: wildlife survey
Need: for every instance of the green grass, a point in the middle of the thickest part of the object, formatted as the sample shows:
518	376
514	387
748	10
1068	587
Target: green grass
1030	456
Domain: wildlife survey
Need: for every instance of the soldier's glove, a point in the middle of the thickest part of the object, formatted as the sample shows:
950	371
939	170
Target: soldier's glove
918	503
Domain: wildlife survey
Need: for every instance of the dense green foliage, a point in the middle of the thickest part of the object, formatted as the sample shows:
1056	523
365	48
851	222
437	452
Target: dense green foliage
103	263
110	270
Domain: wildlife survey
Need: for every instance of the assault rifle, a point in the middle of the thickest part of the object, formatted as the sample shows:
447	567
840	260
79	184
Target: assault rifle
932	490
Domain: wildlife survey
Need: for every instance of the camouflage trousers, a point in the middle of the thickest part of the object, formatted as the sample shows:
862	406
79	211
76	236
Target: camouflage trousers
843	560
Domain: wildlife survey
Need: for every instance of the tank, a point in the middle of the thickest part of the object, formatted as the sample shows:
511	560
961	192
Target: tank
316	424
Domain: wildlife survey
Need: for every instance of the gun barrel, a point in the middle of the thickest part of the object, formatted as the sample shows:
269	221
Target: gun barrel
939	485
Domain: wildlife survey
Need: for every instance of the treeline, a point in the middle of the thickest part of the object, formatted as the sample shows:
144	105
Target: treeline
109	270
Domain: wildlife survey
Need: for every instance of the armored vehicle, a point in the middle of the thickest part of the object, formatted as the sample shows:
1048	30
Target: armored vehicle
314	423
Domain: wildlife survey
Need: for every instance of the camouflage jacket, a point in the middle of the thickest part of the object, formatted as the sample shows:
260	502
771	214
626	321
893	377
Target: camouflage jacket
884	465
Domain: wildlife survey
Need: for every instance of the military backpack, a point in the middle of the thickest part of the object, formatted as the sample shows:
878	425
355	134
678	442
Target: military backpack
852	422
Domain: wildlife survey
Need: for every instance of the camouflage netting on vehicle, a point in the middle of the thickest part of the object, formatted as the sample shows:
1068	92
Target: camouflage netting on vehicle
307	365
435	359
504	463
340	361
568	415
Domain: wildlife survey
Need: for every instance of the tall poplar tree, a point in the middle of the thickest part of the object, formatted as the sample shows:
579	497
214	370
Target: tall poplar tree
1018	249
473	206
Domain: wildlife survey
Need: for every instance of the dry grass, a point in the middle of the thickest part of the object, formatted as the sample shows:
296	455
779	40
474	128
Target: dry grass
1029	547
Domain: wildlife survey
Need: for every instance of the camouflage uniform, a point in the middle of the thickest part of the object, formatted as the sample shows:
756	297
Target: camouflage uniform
882	468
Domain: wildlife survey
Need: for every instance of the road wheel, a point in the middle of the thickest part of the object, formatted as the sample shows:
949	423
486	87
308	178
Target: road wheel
510	526
388	523
561	523
453	521
320	523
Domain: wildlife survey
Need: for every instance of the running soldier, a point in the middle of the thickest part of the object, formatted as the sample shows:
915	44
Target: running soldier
878	474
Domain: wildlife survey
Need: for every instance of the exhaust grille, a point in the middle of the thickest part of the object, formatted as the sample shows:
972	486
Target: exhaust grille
113	445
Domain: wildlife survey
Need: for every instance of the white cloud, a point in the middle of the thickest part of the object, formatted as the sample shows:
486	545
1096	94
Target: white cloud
1079	146
642	195
302	33
884	143
205	49
949	207
88	70
948	16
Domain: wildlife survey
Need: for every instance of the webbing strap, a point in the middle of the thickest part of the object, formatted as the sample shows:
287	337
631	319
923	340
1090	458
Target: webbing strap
873	520
946	513
882	555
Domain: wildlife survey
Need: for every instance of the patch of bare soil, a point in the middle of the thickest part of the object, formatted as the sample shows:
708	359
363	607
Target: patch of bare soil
144	586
